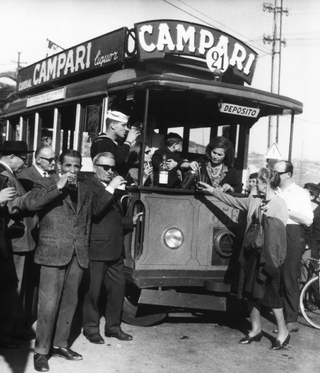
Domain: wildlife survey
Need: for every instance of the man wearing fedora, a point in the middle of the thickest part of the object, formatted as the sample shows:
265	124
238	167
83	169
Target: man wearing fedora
116	132
21	228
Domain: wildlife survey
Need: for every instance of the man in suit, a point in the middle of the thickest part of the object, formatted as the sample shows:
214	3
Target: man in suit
106	252
21	228
44	163
62	252
8	276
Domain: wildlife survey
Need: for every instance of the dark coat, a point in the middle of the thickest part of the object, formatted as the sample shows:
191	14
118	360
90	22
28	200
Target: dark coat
28	176
64	232
312	234
173	178
24	239
8	276
108	224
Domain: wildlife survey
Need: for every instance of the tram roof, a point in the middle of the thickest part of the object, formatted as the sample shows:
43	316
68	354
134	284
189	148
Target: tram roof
133	79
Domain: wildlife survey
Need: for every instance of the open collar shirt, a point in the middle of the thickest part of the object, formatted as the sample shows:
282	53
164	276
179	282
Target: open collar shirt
297	200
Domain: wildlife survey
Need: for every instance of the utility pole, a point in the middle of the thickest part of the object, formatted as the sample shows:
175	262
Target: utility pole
18	68
276	40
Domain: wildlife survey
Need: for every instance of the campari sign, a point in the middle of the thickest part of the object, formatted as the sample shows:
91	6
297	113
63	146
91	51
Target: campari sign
218	50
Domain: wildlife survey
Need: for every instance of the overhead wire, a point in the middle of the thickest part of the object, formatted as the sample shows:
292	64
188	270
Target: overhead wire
208	23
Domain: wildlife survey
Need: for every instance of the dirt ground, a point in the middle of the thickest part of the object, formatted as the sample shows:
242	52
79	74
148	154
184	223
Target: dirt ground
183	343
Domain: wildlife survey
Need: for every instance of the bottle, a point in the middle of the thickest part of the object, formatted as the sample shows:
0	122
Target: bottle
163	172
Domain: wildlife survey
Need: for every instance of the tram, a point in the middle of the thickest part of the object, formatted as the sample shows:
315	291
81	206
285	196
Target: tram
190	79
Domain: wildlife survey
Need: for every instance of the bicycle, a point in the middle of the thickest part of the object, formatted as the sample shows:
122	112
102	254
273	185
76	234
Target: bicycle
310	297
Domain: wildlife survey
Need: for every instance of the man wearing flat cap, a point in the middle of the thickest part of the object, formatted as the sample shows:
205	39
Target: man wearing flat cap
116	132
21	228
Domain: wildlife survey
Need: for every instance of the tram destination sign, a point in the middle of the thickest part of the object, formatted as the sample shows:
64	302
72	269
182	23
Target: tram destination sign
243	111
218	50
91	56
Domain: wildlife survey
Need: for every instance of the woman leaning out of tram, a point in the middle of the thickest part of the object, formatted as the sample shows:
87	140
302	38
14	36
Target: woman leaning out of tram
259	280
216	167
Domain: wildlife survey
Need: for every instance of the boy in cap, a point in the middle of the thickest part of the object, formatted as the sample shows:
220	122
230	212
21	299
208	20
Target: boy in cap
173	145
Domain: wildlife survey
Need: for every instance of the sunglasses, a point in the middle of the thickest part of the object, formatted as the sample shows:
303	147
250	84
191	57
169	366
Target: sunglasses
50	160
282	173
106	167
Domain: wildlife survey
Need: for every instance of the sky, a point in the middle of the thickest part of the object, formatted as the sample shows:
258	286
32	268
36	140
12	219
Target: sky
26	25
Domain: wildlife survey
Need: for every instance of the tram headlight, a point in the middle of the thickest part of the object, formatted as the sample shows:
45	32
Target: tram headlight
173	238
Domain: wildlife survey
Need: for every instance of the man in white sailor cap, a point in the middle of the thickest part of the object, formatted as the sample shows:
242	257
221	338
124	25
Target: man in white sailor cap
116	131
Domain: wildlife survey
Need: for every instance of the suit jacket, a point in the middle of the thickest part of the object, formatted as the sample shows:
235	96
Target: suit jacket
64	232
23	240
108	224
28	176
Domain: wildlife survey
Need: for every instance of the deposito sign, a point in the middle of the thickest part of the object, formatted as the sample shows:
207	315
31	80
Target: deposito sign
243	111
218	50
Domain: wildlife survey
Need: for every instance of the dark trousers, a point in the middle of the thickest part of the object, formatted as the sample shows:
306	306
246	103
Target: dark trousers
58	298
290	271
111	274
8	298
28	276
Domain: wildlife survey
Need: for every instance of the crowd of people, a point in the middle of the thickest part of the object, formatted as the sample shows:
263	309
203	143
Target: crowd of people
58	233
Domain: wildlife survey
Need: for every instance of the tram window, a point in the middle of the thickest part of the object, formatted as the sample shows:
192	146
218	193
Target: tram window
14	129
231	133
178	130
46	128
198	140
90	131
91	128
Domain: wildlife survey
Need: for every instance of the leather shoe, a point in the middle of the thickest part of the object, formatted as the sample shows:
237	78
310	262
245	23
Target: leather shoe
120	334
66	353
9	345
277	345
40	362
94	338
247	340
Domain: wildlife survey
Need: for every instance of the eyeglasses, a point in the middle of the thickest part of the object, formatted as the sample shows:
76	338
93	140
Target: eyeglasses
50	160
282	173
106	167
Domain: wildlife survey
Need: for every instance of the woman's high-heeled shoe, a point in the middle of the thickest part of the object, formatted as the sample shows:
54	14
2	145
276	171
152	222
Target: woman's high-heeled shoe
247	340
277	345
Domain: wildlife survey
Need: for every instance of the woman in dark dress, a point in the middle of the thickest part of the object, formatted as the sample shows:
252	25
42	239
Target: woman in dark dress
217	166
259	280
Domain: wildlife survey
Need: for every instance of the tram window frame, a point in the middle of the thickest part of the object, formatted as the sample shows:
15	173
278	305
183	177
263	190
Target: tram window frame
13	131
86	156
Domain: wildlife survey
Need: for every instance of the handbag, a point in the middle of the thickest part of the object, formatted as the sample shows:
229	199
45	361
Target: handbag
254	237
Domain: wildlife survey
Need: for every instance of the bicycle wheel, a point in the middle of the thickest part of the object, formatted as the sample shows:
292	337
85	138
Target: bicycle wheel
308	297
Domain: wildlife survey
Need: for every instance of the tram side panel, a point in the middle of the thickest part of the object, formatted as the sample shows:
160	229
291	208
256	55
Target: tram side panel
188	241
